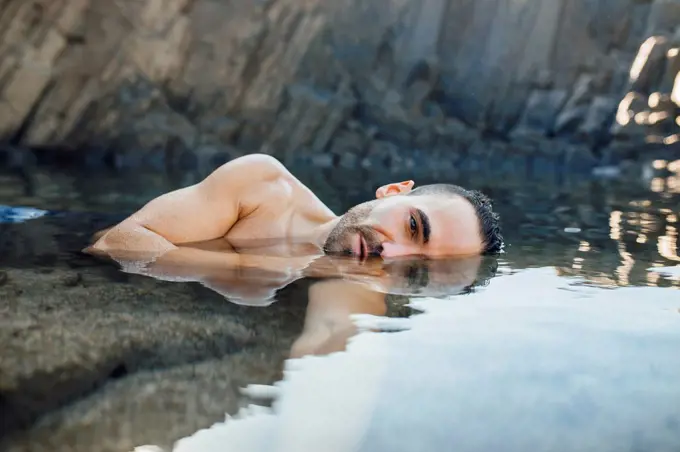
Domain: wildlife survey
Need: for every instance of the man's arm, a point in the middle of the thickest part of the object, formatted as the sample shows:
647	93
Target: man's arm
203	211
328	323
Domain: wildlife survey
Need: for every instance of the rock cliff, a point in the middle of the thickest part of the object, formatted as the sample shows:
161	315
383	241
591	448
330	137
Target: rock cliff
349	82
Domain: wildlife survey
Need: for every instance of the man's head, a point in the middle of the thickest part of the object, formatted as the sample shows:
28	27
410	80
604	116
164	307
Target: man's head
432	220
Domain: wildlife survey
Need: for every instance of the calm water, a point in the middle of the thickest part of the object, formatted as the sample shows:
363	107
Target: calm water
566	342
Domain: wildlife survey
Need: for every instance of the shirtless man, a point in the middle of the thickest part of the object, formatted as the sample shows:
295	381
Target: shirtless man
190	235
256	198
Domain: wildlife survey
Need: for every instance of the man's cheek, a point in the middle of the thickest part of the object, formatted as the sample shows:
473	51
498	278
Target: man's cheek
391	249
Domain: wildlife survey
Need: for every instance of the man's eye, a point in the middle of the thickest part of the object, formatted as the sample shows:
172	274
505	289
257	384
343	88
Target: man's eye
414	225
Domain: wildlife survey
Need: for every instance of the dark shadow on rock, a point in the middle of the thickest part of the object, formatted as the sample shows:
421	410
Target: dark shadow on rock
73	326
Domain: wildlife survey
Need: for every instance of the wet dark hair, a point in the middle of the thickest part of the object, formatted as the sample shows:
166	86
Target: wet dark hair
398	303
489	221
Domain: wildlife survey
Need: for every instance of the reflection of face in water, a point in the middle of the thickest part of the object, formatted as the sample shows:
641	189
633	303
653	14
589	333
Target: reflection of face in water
431	277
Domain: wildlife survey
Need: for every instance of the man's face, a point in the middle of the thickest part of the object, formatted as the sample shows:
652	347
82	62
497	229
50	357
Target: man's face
398	225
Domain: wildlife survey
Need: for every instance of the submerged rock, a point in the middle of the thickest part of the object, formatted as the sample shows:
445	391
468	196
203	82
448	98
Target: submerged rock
92	352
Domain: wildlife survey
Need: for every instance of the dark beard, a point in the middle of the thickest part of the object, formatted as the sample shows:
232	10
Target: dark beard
339	241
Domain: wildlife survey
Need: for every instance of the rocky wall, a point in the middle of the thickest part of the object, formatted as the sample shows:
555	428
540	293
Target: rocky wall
348	82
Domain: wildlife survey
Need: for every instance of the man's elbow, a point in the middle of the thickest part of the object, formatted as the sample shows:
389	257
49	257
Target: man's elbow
111	239
99	234
131	237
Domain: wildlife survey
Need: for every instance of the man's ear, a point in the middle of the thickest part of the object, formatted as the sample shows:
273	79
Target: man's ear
398	188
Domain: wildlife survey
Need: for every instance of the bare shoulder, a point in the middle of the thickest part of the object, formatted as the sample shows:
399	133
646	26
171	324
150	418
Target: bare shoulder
257	178
246	170
253	181
199	212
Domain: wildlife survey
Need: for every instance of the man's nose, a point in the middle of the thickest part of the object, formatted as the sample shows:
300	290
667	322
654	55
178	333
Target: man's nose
389	246
384	233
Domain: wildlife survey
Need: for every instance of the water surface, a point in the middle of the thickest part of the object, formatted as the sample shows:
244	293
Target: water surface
533	362
565	342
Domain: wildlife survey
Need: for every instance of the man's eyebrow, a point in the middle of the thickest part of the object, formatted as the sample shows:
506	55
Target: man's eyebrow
425	221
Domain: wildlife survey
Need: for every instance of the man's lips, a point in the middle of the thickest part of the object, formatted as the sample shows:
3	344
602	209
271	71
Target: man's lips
359	247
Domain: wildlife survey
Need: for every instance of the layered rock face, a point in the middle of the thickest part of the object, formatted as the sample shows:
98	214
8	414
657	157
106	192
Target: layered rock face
350	82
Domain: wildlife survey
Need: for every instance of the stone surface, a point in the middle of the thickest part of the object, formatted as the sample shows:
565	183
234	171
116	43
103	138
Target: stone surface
664	16
78	345
596	124
541	112
152	80
648	65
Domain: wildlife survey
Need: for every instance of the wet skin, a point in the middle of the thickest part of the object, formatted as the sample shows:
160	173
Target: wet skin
251	228
256	199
